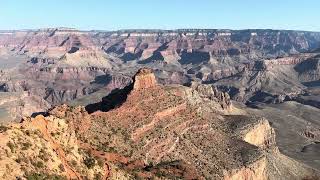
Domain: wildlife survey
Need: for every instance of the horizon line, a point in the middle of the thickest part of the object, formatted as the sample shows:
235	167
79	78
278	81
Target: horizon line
155	29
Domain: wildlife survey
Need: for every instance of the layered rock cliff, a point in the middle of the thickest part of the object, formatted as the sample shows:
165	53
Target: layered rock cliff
169	45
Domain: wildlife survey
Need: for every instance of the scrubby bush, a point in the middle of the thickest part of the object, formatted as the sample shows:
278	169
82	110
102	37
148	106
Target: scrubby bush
26	146
98	176
3	129
61	167
100	162
74	163
44	155
39	164
90	162
11	146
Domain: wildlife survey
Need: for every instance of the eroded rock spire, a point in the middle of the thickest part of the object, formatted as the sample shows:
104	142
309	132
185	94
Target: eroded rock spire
144	79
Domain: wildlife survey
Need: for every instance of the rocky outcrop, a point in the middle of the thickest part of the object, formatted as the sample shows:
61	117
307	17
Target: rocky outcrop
261	135
144	79
257	171
211	92
254	130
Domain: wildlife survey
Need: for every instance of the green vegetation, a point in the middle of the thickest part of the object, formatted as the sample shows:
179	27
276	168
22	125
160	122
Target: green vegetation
27	132
100	162
3	129
160	174
61	167
18	160
90	162
11	146
22	159
38	164
44	155
98	176
74	163
26	146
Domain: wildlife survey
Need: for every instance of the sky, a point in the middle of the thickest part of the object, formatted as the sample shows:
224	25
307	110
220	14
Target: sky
160	14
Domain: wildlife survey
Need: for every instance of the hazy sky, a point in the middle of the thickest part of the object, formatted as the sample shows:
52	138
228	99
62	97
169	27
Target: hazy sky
160	14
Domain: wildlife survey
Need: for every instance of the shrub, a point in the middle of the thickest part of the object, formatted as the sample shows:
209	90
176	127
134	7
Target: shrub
3	129
90	162
18	160
44	155
61	167
38	164
98	176
11	146
74	163
26	146
100	162
27	132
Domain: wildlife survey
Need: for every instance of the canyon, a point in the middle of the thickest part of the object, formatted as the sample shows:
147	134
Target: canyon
186	103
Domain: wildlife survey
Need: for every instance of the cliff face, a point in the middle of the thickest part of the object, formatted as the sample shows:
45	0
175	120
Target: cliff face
144	79
253	130
169	45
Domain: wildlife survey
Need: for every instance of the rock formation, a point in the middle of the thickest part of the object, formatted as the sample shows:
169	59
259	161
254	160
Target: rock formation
144	79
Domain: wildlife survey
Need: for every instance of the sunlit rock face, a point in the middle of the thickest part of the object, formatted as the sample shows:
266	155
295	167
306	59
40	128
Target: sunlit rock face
144	79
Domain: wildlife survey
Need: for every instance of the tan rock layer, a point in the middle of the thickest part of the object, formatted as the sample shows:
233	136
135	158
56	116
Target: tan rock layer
144	79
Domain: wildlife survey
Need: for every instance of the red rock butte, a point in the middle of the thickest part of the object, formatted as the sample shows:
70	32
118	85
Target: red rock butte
144	79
